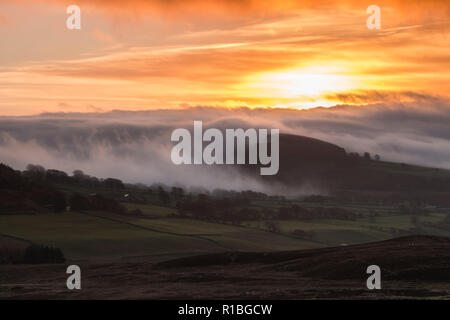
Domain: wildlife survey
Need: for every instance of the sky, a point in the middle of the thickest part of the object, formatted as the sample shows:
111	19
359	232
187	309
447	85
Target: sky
143	54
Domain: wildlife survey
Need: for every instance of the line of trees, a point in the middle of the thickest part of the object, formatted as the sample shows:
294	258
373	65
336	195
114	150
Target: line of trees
31	254
237	210
39	174
43	254
35	190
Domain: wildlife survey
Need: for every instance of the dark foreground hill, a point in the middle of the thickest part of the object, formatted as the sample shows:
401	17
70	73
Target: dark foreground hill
417	258
411	267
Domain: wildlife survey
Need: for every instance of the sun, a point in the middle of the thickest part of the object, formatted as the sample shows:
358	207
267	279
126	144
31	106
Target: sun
292	84
312	82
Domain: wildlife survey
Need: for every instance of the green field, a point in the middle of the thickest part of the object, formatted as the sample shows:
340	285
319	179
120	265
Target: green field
160	232
150	210
337	232
100	235
96	236
86	237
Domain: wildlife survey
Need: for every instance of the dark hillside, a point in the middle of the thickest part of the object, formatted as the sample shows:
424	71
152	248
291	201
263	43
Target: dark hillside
309	161
407	258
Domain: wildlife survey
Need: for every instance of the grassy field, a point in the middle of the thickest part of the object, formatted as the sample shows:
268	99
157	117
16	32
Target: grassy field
234	238
158	232
355	207
96	236
99	235
151	210
337	232
81	237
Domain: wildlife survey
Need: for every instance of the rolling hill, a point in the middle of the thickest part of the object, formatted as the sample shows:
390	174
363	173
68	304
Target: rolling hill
309	161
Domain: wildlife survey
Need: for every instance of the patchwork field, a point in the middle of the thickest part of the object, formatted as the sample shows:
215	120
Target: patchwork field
99	236
338	232
106	236
84	237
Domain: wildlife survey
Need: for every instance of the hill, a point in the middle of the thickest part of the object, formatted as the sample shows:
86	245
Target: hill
411	268
327	167
404	258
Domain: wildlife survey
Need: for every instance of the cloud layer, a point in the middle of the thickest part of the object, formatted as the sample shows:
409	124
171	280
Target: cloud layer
135	146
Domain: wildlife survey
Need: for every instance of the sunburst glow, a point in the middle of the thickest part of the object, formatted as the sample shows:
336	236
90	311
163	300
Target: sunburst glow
307	82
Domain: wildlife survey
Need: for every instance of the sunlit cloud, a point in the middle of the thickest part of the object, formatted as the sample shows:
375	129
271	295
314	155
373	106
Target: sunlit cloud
157	54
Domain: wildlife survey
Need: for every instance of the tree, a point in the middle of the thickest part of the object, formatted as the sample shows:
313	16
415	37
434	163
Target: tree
353	158
12	179
79	202
57	176
101	203
177	193
163	196
36	168
78	174
273	226
35	172
43	254
113	183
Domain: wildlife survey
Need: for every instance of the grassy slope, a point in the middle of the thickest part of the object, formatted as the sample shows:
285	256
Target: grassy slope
91	237
233	238
109	236
86	237
336	232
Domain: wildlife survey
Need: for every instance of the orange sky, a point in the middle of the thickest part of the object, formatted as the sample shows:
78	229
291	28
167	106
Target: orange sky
172	54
